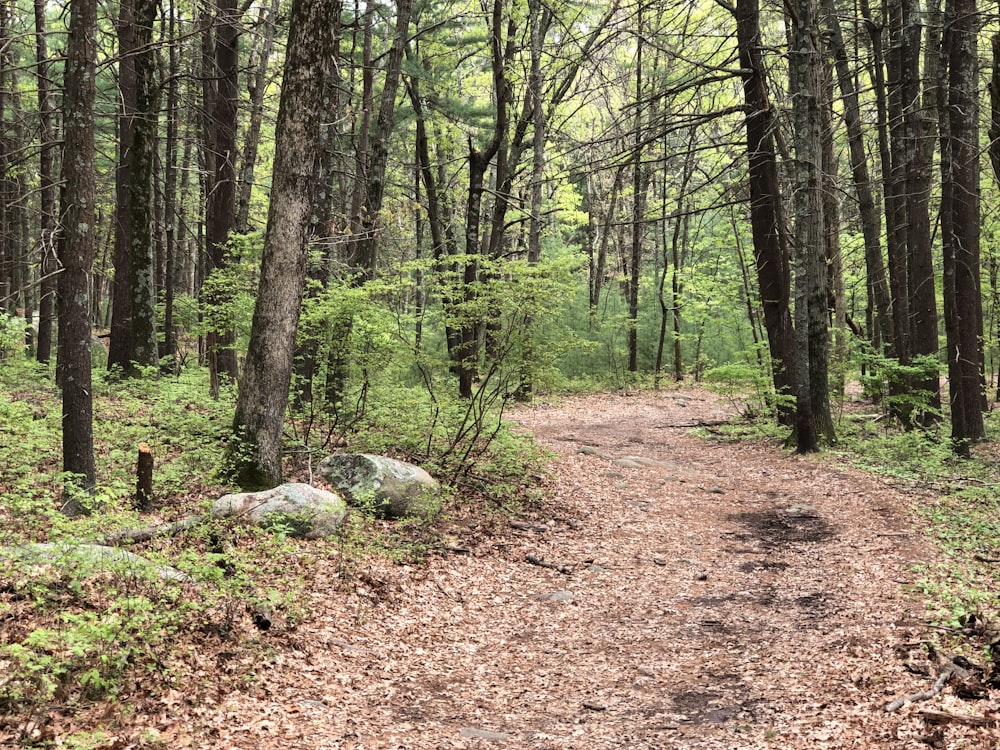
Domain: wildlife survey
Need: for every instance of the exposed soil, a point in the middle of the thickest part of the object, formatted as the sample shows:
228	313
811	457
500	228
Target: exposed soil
702	594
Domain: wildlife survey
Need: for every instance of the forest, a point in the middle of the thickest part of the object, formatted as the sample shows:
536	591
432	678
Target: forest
241	237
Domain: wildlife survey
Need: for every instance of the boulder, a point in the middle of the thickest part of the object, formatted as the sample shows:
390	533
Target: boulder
387	487
303	510
90	558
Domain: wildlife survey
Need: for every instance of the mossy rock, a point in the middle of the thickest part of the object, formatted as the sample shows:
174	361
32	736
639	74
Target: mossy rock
384	486
300	509
90	559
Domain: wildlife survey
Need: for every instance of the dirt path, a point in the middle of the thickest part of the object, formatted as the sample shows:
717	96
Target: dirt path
714	595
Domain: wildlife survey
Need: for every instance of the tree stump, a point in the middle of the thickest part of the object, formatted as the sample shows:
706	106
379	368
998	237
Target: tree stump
144	480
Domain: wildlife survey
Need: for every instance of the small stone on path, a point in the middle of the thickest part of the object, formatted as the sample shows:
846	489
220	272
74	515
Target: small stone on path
556	596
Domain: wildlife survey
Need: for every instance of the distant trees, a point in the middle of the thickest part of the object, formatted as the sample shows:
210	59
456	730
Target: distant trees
466	152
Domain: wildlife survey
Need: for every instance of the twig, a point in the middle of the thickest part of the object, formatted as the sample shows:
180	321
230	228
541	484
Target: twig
694	423
535	560
985	559
540	528
943	717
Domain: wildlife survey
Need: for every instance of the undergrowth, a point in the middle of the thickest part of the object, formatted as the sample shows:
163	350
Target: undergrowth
76	631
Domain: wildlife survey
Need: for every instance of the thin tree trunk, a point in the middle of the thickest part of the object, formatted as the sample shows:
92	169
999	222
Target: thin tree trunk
220	217
47	190
921	288
77	245
169	352
258	87
378	150
882	329
144	351
639	185
120	343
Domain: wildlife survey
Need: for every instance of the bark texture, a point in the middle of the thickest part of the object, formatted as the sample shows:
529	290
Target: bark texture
263	397
769	238
77	244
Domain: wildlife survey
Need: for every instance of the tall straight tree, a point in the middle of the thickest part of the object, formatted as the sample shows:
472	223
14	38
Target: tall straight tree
960	152
47	189
120	342
144	350
220	210
917	180
880	328
76	246
766	219
811	319
260	409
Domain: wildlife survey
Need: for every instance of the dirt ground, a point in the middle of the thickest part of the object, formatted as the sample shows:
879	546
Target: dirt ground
675	592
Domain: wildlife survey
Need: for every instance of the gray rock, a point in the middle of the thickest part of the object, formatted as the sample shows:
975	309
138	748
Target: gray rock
302	509
91	558
556	596
387	487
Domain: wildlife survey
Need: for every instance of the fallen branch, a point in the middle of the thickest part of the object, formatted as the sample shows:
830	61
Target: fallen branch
153	532
540	562
943	717
950	670
694	423
540	528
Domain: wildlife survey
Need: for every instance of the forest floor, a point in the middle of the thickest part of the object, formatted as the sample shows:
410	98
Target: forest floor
703	593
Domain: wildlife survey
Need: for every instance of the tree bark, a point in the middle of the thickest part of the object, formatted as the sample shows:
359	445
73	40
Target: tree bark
77	245
252	142
881	332
921	288
378	151
961	229
220	214
767	222
47	190
811	317
255	454
120	343
144	351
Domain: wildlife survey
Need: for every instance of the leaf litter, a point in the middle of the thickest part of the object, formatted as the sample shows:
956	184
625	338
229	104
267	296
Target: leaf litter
698	594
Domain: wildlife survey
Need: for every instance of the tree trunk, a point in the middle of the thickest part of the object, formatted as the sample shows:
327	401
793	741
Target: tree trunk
120	343
168	351
811	337
378	150
961	232
881	332
144	351
47	190
479	162
77	245
260	409
639	185
257	90
220	214
769	238
920	263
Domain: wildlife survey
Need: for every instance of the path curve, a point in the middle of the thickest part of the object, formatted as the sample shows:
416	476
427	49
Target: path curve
712	595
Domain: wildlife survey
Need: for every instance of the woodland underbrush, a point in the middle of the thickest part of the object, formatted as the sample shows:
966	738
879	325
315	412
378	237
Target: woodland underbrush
101	640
